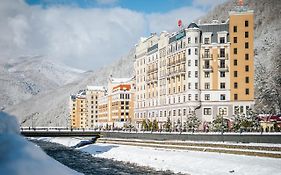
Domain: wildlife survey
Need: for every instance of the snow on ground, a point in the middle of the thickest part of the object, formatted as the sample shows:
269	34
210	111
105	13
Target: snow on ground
191	162
66	141
20	157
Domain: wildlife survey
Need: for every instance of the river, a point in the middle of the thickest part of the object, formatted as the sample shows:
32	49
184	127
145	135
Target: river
87	164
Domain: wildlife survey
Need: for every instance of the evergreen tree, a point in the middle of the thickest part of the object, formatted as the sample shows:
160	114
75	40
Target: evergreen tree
144	125
149	125
219	124
168	125
155	125
192	122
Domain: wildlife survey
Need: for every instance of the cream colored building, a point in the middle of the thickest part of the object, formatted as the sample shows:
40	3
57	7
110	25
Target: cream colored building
116	109
203	68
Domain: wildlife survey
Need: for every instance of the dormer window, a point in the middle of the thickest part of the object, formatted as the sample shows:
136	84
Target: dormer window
222	39
206	40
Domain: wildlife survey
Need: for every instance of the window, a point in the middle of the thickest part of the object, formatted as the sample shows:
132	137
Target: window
189	85
188	40
222	85
246	56
234	28
246	34
189	97
207	96
196	62
235	74
246	23
235	50
189	62
235	62
196	74
246	45
207	85
222	74
196	97
222	97
196	51
222	52
247	91
206	40
189	74
196	85
196	40
207	111
235	40
235	85
222	39
189	51
247	68
235	96
207	74
247	80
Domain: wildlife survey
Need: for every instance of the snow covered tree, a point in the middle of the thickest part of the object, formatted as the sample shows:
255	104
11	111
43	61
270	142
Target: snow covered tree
219	124
192	122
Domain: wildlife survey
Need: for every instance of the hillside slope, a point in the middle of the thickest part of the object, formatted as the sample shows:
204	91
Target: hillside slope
24	77
51	108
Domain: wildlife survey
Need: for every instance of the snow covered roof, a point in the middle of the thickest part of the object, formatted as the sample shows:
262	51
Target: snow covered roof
96	88
121	80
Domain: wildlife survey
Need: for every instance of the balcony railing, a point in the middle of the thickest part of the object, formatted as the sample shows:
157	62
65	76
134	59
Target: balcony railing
223	56
223	68
207	56
207	68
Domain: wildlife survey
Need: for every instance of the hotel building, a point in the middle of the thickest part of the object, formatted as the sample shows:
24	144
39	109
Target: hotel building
206	69
116	109
84	107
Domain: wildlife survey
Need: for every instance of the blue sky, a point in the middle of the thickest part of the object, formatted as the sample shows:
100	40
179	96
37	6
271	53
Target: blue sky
145	6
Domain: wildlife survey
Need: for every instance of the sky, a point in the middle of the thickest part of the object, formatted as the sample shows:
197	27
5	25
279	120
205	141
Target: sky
88	34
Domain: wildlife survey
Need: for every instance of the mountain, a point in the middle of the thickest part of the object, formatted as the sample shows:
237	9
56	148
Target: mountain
24	77
51	108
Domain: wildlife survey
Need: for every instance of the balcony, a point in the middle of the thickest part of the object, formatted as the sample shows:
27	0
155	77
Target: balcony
222	56
223	68
207	68
207	56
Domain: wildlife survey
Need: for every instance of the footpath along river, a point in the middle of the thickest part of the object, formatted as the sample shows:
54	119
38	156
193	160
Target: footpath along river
89	165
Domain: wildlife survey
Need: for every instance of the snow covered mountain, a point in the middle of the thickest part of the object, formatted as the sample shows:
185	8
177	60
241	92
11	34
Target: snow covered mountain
51	108
24	77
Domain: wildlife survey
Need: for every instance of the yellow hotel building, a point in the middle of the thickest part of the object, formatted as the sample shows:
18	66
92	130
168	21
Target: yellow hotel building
203	68
84	107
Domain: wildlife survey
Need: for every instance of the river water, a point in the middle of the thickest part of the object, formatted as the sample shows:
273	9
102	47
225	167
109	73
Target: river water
87	164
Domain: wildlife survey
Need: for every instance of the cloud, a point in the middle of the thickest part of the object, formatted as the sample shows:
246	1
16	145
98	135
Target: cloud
84	38
168	21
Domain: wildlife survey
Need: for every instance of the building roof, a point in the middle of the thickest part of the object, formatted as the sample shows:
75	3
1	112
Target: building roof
193	25
214	29
120	80
96	88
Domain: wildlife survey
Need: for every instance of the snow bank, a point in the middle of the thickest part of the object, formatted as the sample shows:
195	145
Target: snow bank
20	157
190	162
